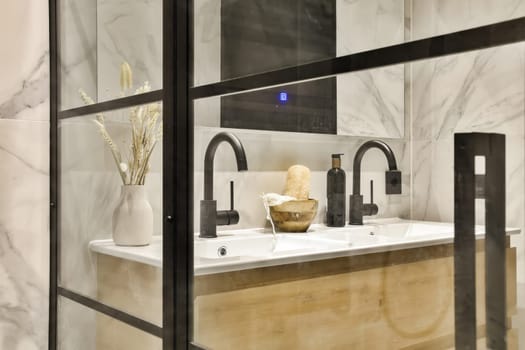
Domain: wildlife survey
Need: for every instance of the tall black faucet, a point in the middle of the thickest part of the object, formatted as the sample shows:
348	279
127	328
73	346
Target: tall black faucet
392	177
210	217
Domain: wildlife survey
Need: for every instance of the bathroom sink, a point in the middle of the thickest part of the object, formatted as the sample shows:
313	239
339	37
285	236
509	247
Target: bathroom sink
228	246
414	230
261	245
355	238
256	243
384	233
293	244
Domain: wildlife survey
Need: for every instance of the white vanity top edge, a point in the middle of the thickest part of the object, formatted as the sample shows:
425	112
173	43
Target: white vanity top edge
152	254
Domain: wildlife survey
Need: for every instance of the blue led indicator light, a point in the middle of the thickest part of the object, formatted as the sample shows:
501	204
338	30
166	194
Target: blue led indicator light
283	96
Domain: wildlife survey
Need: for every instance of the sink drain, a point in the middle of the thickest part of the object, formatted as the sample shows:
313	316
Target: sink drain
222	251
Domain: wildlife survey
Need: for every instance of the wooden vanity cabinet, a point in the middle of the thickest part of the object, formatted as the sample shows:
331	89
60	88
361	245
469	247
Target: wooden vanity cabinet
392	300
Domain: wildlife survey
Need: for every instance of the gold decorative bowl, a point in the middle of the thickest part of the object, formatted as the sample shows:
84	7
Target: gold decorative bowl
294	216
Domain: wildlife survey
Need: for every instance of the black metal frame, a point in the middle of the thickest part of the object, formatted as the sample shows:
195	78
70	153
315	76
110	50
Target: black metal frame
107	310
492	147
118	103
177	179
502	33
53	175
178	98
177	182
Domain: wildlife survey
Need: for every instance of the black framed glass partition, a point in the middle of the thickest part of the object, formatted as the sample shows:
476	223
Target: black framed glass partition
284	84
117	85
389	283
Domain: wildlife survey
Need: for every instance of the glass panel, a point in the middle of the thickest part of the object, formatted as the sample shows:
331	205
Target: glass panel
96	209
81	328
436	17
97	36
389	281
366	104
241	37
78	51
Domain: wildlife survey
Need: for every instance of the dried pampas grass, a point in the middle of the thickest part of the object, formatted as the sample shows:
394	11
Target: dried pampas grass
146	131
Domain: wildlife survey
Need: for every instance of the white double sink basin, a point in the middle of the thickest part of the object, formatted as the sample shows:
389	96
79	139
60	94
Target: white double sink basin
260	243
254	248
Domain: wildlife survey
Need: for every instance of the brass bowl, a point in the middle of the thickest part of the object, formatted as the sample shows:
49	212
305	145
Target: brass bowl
294	216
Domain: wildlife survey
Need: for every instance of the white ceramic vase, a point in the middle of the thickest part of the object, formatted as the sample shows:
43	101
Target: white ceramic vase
133	217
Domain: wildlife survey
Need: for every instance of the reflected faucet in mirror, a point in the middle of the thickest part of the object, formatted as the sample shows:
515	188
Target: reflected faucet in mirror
209	216
392	177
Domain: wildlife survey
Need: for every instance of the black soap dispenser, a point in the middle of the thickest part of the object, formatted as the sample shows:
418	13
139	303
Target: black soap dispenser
336	193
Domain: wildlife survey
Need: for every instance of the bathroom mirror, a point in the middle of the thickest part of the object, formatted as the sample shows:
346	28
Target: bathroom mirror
235	38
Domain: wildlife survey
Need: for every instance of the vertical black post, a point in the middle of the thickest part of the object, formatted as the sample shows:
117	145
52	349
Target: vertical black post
53	174
492	147
177	179
464	244
495	241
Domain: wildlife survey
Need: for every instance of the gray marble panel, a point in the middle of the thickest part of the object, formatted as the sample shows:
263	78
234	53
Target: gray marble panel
477	91
24	234
78	51
368	24
207	41
435	17
371	103
128	31
76	326
482	91
24	90
90	192
24	175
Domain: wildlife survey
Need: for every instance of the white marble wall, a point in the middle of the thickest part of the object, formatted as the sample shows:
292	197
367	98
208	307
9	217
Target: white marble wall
371	102
128	31
24	174
90	189
435	17
78	54
99	35
478	91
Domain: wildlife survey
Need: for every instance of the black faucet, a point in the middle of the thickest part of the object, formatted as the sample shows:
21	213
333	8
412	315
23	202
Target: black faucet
210	217
392	177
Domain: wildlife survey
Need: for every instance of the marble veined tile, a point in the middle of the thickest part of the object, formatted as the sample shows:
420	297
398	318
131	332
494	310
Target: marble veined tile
24	92
433	186
371	103
481	91
276	151
90	189
24	234
76	326
78	51
128	31
369	24
89	194
435	17
477	91
207	42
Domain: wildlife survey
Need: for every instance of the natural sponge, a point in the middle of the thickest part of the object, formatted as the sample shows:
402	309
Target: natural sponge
298	182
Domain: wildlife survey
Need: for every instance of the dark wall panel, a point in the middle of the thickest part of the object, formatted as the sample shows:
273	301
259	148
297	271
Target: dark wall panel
262	35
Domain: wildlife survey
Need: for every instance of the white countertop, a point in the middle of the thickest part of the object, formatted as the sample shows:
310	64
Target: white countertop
439	233
149	255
